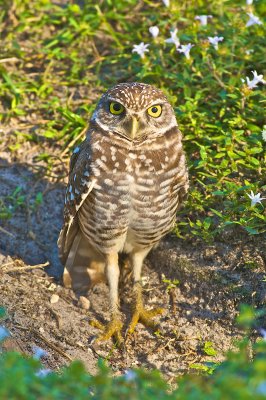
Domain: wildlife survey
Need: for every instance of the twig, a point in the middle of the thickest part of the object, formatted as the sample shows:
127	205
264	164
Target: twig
46	341
57	317
74	141
172	295
188	353
160	347
5	265
216	76
6	232
46	278
28	267
95	50
10	59
52	345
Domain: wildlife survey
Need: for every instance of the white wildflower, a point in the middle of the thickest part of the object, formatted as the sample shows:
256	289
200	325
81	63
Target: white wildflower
173	39
140	49
154	31
185	48
43	372
203	19
253	20
255	198
215	40
256	79
249	51
166	3
263	132
4	333
39	352
130	375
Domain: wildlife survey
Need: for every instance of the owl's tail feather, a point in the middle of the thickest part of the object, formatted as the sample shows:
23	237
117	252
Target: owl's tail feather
84	266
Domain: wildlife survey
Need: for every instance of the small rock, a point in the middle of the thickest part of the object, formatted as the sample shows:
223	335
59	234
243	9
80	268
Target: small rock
52	287
80	344
32	235
54	298
84	302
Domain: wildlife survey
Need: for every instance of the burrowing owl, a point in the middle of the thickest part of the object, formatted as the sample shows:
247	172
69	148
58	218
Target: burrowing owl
126	182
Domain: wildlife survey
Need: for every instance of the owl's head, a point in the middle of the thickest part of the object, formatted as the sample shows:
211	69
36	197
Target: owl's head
134	111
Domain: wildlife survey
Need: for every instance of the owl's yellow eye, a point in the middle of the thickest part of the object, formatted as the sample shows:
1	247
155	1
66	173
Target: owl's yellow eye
116	108
155	111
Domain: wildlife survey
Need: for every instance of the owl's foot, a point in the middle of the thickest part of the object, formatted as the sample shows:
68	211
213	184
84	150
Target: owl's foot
112	329
145	317
139	312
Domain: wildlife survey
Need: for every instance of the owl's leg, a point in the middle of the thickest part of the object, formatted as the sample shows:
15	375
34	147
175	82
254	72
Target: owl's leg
139	312
114	327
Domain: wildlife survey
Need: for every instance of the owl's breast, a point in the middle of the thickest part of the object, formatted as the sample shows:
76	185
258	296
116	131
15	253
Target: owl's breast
154	201
134	201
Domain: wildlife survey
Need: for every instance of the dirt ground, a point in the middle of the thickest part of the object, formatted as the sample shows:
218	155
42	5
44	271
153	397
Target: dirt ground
213	280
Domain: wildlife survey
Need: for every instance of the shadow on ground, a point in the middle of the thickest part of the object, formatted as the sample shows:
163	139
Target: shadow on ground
36	209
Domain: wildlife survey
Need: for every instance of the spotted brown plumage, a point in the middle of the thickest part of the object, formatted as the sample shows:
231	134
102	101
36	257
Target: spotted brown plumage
126	182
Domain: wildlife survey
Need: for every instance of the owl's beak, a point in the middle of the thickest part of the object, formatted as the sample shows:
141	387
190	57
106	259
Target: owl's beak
134	127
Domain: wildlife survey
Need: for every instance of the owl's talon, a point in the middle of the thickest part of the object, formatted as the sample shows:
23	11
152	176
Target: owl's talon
97	324
112	329
145	317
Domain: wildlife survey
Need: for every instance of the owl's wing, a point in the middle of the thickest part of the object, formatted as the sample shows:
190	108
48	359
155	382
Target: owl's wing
79	186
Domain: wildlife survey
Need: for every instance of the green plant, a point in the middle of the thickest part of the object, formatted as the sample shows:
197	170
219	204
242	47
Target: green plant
241	376
60	74
10	203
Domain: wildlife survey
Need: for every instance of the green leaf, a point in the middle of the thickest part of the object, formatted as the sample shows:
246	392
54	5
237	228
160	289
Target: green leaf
252	231
2	312
208	349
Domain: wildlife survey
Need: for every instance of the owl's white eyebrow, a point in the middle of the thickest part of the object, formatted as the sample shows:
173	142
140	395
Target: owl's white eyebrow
158	102
114	99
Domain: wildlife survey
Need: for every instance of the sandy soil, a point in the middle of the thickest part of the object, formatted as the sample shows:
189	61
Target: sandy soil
213	280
